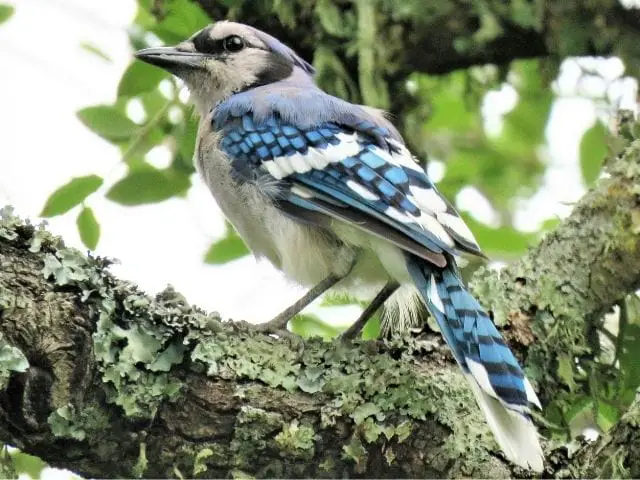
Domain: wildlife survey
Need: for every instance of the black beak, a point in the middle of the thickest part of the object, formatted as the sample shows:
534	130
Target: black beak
170	58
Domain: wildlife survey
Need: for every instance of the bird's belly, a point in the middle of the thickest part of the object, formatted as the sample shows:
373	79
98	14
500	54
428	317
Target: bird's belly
304	253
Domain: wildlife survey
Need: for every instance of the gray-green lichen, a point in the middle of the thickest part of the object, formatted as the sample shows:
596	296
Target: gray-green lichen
369	401
296	441
11	358
143	347
68	422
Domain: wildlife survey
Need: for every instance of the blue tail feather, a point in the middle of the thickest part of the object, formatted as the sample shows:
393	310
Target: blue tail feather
470	333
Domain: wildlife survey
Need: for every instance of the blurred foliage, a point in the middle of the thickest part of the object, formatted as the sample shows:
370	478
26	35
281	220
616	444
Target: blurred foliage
13	462
447	118
6	11
229	248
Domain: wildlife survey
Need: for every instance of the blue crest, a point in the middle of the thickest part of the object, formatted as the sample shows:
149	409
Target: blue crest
280	48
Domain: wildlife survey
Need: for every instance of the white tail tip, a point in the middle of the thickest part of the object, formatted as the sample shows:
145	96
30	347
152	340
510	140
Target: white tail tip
516	435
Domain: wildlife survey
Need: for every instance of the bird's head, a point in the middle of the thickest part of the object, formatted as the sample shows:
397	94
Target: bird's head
226	58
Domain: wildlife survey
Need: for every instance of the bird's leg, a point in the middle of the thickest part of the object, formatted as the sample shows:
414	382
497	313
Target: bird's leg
375	304
279	322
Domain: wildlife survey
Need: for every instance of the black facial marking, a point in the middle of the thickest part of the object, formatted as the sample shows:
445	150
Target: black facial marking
205	44
278	68
223	46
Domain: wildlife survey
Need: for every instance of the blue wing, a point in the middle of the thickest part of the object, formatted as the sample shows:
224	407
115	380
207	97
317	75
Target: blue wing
358	173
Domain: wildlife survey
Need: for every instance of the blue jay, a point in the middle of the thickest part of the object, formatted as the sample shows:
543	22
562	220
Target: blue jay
328	192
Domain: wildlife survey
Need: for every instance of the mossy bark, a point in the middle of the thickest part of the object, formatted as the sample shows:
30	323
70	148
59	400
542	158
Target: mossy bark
120	384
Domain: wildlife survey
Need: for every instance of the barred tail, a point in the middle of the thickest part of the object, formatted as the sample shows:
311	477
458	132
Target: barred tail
498	383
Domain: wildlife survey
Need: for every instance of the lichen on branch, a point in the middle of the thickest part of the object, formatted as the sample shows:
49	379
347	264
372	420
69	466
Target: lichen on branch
168	389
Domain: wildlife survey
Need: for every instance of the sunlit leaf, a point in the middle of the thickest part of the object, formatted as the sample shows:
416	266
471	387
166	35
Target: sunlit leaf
148	186
629	358
153	102
311	326
24	463
187	142
140	77
449	109
500	240
607	415
108	122
593	149
227	249
182	19
89	47
581	406
71	194
565	371
6	12
89	228
371	330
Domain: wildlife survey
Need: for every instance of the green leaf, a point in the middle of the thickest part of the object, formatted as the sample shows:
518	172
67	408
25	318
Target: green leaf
449	110
25	463
139	78
371	330
565	371
89	228
580	406
183	17
108	122
308	326
500	241
68	196
148	185
89	47
608	415
6	11
593	150
226	250
187	142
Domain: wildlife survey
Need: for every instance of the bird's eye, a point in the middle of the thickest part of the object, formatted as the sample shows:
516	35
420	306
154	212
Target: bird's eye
233	43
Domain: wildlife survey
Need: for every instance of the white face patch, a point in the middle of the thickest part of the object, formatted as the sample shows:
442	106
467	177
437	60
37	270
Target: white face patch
362	191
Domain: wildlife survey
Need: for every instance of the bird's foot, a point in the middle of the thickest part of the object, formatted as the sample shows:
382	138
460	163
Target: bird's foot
277	325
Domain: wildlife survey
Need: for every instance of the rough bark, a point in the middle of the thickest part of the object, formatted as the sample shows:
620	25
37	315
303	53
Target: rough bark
119	384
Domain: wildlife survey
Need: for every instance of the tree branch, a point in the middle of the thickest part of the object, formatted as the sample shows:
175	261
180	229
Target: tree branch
446	35
119	384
